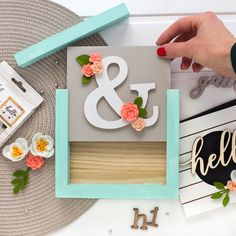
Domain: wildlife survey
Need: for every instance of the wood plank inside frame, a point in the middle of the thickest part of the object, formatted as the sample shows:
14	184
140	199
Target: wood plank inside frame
131	163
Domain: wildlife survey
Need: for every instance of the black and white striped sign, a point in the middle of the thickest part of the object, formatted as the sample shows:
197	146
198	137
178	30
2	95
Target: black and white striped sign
194	192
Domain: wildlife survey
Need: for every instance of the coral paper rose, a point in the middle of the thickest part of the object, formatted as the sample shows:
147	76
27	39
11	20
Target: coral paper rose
138	124
231	185
95	57
129	111
34	162
42	145
87	70
97	67
17	150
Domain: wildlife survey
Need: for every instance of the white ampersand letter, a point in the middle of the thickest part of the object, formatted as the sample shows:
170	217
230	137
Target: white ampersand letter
106	89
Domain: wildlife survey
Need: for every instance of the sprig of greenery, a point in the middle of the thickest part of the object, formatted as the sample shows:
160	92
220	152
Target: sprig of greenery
142	111
21	180
224	192
85	79
138	101
82	59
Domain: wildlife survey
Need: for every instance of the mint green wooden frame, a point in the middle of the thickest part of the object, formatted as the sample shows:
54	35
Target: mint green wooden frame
65	189
72	34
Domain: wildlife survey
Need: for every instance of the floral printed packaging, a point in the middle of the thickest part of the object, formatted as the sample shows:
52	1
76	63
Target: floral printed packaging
18	100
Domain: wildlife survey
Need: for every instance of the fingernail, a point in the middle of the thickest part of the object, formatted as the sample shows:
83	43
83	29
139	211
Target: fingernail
183	67
161	52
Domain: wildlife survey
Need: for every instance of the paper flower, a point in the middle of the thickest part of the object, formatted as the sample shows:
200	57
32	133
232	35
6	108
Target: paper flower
95	57
231	185
17	150
233	175
129	111
134	112
34	162
42	145
96	67
138	124
223	192
41	148
91	65
87	70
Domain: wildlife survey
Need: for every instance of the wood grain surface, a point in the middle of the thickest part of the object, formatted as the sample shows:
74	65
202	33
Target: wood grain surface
105	162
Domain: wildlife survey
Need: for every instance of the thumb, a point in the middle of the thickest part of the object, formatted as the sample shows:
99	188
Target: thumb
175	49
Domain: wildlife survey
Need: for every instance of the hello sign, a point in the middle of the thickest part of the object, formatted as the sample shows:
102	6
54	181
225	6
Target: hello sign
213	156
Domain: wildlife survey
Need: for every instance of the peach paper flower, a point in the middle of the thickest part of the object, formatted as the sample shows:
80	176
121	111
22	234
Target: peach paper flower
87	70
34	162
138	124
97	67
231	185
129	111
95	57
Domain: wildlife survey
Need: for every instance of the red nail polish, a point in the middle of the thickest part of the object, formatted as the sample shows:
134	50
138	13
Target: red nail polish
161	52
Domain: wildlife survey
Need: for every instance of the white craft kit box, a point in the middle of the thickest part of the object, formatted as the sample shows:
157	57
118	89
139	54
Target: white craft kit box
18	100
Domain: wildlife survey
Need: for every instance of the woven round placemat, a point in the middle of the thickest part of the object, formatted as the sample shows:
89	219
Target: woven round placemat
36	211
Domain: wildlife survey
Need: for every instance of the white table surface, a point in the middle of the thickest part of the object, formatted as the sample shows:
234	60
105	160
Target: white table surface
148	19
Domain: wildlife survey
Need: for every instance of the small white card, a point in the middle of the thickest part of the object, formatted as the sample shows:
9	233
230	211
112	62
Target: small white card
10	111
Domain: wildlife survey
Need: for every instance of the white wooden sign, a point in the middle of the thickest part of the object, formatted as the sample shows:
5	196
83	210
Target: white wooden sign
195	193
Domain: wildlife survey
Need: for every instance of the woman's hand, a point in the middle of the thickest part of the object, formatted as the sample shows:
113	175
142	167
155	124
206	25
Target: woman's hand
201	40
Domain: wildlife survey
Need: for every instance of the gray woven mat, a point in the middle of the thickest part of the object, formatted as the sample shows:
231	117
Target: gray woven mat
36	211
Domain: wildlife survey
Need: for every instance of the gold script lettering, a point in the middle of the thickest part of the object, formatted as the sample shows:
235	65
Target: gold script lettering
224	143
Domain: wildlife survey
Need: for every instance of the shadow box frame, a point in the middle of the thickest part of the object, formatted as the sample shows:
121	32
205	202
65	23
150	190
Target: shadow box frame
65	189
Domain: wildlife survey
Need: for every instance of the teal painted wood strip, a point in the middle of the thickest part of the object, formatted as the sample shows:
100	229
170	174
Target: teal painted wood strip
62	164
173	115
79	31
123	191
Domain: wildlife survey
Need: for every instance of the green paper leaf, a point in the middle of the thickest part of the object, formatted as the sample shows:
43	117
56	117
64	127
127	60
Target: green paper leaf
19	173
21	181
138	101
22	186
219	185
26	180
86	80
217	195
226	200
15	181
83	59
142	112
16	189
